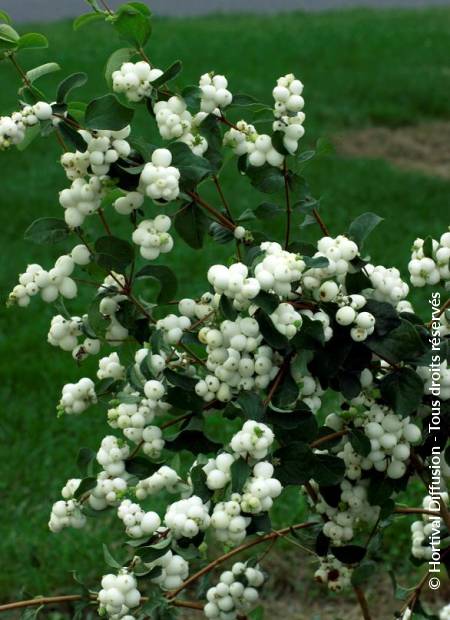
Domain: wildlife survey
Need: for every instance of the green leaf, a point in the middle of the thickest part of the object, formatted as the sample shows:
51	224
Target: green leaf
402	391
401	344
141	467
191	223
227	308
361	228
363	573
152	553
116	60
97	322
183	381
243	100
38	72
220	234
193	168
428	247
109	559
31	133
4	17
8	35
47	230
310	335
268	210
165	277
113	253
198	479
287	392
295	463
72	136
266	179
85	460
270	333
386	317
267	301
360	442
32	40
240	471
107	113
87	18
357	282
251	404
75	80
318	262
349	554
169	74
87	484
192	96
328	470
133	23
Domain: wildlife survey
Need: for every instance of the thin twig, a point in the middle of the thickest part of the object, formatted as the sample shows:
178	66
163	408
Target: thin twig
329	437
225	222
362	603
223	558
104	222
20	71
321	223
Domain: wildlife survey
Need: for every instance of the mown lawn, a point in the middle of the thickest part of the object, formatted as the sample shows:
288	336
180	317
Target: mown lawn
359	68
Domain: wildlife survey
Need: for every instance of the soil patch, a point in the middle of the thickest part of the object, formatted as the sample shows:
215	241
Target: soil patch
425	148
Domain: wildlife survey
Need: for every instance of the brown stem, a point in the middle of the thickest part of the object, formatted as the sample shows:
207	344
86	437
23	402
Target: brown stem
70	598
104	222
288	206
276	382
326	438
223	558
321	223
225	121
20	71
217	215
61	141
362	603
414	511
222	197
41	600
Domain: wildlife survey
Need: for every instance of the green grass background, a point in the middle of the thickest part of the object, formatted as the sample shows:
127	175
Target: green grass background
359	68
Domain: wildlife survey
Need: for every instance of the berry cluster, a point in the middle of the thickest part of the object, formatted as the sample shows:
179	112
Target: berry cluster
237	358
159	180
253	440
77	397
288	111
118	595
187	517
430	265
363	323
50	284
110	368
67	512
13	128
237	591
138	523
134	80
214	92
422	530
81	199
333	573
153	238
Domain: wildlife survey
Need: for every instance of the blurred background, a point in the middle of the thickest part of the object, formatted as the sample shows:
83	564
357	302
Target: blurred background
377	79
